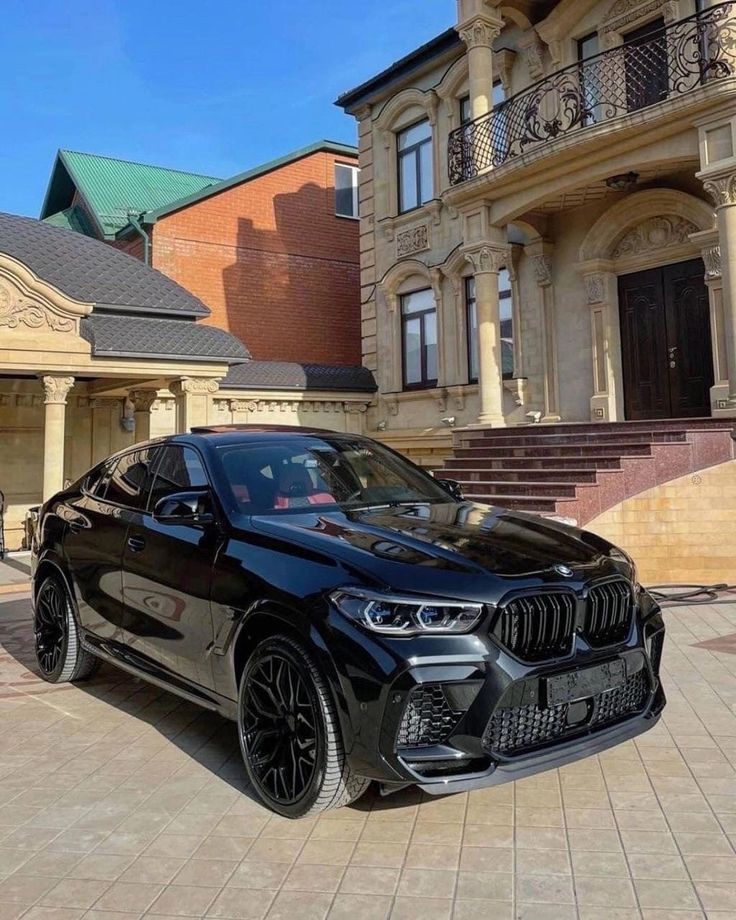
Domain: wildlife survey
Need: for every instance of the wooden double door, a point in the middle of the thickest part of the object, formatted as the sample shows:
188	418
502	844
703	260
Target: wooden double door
666	342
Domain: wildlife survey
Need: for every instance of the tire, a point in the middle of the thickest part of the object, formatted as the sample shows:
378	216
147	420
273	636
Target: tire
59	652
289	733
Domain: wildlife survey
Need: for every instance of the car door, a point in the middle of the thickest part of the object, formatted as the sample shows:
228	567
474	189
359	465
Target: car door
93	545
167	571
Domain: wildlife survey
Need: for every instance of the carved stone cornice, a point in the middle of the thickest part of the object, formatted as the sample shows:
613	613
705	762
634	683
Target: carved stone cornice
56	389
722	189
487	259
654	234
542	268
194	386
503	64
17	310
143	399
480	32
594	288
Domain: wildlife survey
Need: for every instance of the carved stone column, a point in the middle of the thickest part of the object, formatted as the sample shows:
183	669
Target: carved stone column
142	401
722	189
487	262
56	390
479	27
193	397
707	240
601	296
540	251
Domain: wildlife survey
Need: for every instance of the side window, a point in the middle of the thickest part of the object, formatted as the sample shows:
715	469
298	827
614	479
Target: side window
96	480
180	469
130	481
346	190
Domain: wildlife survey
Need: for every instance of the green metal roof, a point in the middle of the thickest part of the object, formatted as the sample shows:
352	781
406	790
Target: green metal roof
346	150
113	188
72	218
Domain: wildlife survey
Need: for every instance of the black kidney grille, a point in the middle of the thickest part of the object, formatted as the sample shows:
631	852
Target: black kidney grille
538	626
513	730
609	611
428	718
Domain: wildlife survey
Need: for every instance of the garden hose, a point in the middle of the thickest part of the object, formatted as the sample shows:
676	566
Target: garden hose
690	595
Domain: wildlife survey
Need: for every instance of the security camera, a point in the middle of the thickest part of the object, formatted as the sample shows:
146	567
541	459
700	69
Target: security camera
534	416
449	421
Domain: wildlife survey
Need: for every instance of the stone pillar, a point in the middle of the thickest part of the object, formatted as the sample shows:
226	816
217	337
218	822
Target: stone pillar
56	390
479	26
601	296
486	262
193	396
722	189
707	240
142	401
540	252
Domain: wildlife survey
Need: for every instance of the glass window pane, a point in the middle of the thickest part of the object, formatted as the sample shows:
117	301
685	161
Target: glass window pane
417	300
415	135
472	321
408	182
412	352
430	345
130	482
465	114
345	182
425	172
498	93
587	46
180	469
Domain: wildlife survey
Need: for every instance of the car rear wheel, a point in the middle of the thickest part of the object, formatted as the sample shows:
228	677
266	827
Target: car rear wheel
289	733
59	653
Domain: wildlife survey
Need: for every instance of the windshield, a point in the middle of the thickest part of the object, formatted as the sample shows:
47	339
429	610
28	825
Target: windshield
283	474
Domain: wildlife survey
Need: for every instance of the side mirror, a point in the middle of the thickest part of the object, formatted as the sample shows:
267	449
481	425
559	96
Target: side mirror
453	487
184	508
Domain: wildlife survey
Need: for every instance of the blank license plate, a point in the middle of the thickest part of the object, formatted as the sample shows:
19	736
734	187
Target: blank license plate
576	685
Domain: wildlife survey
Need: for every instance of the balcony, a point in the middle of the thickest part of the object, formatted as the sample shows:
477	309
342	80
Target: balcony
672	61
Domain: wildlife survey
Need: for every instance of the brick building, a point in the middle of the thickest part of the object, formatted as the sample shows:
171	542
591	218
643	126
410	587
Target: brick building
272	251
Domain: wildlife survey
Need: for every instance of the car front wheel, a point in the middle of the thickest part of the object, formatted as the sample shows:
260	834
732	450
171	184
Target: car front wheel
59	653
289	733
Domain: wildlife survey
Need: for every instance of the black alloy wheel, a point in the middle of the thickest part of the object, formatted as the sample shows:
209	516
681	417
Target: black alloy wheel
289	732
50	626
280	728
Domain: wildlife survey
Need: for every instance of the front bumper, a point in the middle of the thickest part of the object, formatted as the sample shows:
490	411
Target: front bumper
464	713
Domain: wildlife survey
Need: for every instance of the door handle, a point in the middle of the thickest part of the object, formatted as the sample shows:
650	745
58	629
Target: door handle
136	544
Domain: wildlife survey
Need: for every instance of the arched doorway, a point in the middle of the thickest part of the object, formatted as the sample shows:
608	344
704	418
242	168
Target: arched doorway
652	324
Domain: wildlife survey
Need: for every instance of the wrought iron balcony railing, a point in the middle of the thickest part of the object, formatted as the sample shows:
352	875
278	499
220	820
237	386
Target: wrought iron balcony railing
668	62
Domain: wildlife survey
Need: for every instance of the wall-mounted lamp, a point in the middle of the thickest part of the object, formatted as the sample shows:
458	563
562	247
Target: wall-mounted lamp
381	426
623	181
449	421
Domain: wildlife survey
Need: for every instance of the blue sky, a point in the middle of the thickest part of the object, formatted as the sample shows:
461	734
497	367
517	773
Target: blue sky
212	87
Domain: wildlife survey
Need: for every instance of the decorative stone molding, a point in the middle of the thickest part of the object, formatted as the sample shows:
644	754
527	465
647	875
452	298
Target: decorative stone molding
415	239
487	259
503	61
594	288
722	189
242	405
712	260
56	389
16	310
622	12
654	234
105	402
480	32
543	269
532	48
194	386
142	400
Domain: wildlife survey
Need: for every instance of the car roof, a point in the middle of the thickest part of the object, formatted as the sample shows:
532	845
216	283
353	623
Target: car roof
226	434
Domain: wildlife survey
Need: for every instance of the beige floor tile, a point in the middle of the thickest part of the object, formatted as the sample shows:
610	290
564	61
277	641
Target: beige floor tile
427	856
236	904
306	877
494	886
256	874
541	838
717	896
129	896
536	911
600	863
48	864
488	835
156	870
360	907
648	842
421	909
544	889
604	892
75	892
305	905
223	847
11	859
54	913
675	895
483	910
427	883
486	859
712	868
25	889
657	866
318	852
543	862
347	831
389	854
180	846
386	831
184	901
100	866
367	880
704	844
211	873
433	832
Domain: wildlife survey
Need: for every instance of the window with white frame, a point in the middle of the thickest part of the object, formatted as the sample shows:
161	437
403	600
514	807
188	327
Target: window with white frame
507	326
346	190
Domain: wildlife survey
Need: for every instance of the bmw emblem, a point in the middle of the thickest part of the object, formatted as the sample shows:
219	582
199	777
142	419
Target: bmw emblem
563	570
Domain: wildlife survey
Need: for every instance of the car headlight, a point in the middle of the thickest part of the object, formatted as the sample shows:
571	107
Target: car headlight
395	615
621	555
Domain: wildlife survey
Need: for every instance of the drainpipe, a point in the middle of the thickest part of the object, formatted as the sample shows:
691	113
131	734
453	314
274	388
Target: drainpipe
135	224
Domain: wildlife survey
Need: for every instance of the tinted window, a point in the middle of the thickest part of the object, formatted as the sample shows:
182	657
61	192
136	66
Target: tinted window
130	481
180	469
95	482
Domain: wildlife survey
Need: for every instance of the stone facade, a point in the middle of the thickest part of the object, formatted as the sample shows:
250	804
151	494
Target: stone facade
566	214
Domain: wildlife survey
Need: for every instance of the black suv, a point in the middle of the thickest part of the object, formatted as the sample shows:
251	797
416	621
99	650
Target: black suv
355	616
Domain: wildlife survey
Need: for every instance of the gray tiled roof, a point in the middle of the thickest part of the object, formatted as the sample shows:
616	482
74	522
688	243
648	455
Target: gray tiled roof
138	336
284	375
92	271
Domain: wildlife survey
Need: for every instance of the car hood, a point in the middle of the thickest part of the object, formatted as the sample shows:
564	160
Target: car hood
429	547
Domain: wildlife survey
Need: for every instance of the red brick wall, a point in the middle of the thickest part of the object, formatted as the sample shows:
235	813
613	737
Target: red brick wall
275	265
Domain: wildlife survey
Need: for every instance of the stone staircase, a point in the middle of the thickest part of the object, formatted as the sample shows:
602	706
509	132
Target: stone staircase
579	470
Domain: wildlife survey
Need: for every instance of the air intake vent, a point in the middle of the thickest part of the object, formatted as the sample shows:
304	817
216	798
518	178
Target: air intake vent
538	626
428	718
608	619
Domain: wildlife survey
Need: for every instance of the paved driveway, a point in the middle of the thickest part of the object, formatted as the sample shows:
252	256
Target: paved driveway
118	800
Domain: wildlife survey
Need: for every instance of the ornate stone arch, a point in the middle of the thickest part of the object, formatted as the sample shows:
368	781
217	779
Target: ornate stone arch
390	115
450	88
